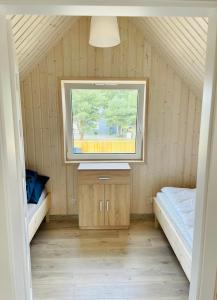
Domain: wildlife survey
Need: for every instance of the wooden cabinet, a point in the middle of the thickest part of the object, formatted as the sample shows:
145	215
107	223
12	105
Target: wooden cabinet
104	199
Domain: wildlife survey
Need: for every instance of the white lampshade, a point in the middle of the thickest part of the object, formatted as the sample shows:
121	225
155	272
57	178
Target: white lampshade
104	32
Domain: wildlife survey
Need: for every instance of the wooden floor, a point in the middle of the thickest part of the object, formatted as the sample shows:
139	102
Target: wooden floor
135	264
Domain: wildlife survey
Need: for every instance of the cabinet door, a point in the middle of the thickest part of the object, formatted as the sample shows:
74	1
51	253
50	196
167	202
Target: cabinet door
117	205
91	205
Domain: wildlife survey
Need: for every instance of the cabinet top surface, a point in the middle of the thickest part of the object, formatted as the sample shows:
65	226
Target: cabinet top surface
104	166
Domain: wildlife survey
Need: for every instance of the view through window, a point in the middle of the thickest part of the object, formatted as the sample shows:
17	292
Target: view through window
103	120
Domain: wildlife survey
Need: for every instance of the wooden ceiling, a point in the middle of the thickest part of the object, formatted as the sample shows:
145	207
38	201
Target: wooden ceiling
35	35
181	41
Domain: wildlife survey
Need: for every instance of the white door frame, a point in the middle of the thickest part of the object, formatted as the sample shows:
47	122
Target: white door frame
15	279
131	8
205	240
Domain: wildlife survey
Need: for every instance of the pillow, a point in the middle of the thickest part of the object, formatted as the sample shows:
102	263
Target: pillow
31	177
38	188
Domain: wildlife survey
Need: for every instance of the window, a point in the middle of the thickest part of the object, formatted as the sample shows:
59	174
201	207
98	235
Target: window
103	119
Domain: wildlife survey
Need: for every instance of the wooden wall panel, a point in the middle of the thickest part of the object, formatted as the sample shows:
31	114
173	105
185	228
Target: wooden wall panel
173	114
34	35
182	40
215	295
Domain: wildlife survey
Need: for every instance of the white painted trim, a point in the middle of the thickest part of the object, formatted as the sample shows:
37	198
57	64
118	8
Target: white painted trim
202	259
205	238
14	253
111	8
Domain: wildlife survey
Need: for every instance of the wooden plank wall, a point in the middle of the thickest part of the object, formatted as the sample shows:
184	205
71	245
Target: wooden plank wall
183	41
215	295
173	114
34	35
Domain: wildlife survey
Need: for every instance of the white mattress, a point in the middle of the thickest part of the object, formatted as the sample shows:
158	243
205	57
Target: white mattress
179	205
32	208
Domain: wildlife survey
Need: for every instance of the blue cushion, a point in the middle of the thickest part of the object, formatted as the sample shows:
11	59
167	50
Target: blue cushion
31	177
38	188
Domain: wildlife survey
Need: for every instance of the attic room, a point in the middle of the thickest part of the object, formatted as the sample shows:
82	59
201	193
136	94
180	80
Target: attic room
53	48
175	91
111	113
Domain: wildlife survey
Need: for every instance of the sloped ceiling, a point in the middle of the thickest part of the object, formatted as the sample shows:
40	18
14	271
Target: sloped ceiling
34	35
181	41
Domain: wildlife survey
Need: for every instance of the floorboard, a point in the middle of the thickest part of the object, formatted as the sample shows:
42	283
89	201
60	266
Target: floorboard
134	264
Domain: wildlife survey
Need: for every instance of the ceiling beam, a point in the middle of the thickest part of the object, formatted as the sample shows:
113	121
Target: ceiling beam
111	8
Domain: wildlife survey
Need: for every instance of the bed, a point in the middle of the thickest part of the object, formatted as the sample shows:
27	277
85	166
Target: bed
38	200
174	211
37	213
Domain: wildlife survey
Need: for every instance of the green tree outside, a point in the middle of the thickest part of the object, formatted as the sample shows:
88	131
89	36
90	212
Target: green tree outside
118	108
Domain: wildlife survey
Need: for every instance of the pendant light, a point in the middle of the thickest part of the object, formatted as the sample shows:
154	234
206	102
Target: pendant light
104	32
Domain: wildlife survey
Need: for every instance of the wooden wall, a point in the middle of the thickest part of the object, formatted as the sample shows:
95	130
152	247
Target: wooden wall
215	296
183	41
173	114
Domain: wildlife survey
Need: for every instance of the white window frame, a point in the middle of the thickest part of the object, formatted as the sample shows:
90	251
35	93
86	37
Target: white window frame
67	85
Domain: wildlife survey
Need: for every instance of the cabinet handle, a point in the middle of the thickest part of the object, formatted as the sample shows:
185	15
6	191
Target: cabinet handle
103	178
100	205
107	205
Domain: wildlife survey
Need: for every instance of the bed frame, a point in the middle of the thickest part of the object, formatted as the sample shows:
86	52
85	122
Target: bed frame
172	235
41	213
